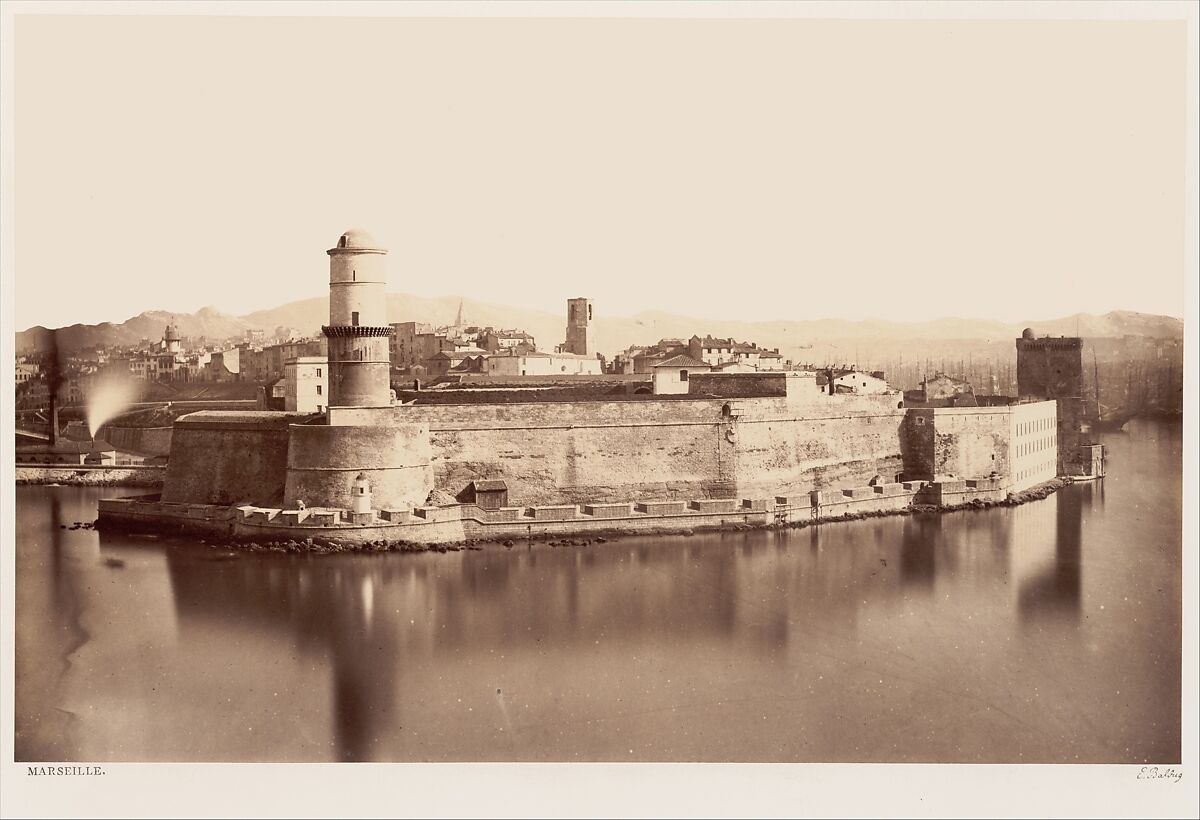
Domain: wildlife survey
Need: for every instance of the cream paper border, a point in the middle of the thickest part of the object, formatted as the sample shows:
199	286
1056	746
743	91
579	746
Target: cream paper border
645	790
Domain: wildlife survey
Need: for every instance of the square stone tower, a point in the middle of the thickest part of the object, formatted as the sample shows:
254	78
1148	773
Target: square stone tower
1052	368
579	328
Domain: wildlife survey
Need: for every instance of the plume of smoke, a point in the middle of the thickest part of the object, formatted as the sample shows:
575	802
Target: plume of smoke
111	394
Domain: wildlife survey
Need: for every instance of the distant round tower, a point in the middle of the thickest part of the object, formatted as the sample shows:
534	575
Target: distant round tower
171	339
359	362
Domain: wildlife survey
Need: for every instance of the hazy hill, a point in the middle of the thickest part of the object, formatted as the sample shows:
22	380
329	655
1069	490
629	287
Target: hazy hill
613	334
149	325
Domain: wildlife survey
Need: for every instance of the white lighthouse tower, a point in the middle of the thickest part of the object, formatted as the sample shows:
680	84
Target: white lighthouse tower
359	361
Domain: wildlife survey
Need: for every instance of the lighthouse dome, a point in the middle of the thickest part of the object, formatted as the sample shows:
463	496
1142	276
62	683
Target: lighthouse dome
357	238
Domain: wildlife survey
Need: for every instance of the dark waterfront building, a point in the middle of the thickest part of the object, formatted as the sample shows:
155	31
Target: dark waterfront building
1052	368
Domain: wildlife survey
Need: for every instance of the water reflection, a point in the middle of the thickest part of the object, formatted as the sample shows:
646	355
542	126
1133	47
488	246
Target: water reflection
374	617
43	658
1055	592
903	638
920	537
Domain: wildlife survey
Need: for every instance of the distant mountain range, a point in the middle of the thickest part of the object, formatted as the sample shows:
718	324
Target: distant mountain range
612	334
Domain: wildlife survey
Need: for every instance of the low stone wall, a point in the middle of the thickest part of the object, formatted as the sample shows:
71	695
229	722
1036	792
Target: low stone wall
146	441
92	476
463	522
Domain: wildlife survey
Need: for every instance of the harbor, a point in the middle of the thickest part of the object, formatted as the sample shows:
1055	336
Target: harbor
971	636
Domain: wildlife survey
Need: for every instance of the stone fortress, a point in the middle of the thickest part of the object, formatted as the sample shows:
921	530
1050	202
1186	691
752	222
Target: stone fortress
726	449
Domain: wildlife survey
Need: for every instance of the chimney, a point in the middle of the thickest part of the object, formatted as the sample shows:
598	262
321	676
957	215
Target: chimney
53	419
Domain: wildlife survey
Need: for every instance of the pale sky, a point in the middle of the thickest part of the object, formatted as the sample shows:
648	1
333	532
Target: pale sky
759	169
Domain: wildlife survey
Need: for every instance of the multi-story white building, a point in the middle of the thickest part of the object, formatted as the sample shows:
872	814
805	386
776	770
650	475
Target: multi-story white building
1033	447
512	363
861	383
25	372
306	384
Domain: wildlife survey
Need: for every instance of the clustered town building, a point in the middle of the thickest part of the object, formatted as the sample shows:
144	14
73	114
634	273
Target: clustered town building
292	369
721	433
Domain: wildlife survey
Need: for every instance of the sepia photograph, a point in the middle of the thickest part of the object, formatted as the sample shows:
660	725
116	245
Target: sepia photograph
798	397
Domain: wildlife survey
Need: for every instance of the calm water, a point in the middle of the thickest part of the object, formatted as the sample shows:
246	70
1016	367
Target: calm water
1049	632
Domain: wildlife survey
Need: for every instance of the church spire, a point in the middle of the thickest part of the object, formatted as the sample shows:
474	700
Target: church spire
458	320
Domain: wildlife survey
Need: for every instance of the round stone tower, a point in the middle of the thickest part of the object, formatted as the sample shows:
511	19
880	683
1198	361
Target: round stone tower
171	338
359	362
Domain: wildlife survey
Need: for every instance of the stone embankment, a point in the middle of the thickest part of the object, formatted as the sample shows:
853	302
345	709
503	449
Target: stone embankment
466	526
91	476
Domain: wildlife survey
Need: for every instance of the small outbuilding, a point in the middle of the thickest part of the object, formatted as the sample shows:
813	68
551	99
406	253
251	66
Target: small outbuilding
487	494
671	375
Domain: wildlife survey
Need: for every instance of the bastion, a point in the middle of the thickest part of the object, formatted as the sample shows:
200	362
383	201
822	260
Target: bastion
719	450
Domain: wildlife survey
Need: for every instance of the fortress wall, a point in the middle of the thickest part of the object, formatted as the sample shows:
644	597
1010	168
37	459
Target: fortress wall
971	441
228	457
571	452
739	384
548	452
531	414
837	442
323	461
150	441
967	442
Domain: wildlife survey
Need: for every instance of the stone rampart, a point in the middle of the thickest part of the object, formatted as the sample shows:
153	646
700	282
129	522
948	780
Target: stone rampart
228	457
601	451
145	441
323	461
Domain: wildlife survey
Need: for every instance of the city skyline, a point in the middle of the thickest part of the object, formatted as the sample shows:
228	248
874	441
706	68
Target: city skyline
791	169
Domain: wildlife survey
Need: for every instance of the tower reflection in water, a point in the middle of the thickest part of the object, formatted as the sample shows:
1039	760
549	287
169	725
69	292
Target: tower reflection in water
389	626
404	639
1055	592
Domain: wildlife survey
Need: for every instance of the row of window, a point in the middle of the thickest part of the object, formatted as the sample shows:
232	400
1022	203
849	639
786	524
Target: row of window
1026	428
1035	446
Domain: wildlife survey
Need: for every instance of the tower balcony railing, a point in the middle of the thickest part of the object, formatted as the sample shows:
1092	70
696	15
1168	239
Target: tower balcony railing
358	330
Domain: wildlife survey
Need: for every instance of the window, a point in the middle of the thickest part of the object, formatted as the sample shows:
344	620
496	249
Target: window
318	389
683	375
318	372
354	318
353	276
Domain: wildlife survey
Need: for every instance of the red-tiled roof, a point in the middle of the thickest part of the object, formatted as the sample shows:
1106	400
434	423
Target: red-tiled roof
682	361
